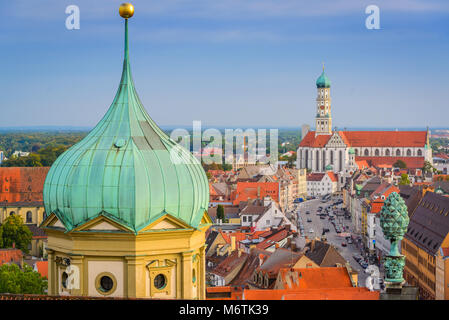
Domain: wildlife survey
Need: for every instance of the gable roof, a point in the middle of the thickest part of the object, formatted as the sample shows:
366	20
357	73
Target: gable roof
312	141
324	254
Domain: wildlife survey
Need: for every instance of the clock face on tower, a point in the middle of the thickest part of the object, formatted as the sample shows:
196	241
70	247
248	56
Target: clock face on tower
322	107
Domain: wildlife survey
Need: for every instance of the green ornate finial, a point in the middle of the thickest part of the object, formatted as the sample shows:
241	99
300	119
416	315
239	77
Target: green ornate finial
394	221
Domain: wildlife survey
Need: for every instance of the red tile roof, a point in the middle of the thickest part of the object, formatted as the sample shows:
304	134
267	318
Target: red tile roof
369	139
385	138
315	278
10	255
315	176
255	190
19	184
42	268
332	176
411	162
315	142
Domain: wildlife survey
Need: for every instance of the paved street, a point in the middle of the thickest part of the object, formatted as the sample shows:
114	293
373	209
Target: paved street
317	226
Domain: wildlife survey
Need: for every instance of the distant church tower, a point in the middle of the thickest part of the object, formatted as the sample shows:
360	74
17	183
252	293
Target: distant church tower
323	119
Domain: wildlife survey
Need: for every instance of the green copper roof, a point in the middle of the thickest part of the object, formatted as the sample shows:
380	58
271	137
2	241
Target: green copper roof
126	168
323	81
351	151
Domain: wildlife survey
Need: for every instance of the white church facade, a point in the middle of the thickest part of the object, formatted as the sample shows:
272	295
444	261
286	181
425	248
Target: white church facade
339	151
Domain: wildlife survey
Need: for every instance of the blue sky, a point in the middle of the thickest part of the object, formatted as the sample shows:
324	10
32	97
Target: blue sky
228	62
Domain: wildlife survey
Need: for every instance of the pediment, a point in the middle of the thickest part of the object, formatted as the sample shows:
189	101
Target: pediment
101	224
165	222
52	221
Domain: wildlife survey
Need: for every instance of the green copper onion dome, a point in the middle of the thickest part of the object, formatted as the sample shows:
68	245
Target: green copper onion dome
351	151
323	81
127	169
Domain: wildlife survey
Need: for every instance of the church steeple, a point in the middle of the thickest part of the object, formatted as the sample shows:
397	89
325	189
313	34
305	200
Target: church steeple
323	119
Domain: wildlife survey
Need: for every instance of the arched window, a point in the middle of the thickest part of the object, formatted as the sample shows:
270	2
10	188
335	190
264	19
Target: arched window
29	217
398	152
340	161
419	152
324	160
307	159
300	159
387	152
366	152
377	153
356	152
317	160
332	157
409	152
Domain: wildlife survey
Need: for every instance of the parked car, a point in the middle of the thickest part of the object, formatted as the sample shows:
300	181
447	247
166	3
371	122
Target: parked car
322	217
343	244
311	230
307	212
357	257
309	220
350	241
325	230
364	265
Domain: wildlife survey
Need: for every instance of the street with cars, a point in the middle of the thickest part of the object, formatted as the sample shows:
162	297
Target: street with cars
325	218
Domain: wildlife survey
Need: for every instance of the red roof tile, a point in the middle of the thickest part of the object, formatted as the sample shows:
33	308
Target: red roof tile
385	138
315	142
411	162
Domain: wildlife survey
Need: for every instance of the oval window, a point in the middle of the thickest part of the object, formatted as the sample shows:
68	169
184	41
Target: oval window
106	283
160	281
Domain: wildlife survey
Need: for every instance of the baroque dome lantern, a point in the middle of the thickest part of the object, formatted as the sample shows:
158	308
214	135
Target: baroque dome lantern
126	169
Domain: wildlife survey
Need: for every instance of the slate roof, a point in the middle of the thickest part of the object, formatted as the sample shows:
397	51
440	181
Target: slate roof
36	231
429	224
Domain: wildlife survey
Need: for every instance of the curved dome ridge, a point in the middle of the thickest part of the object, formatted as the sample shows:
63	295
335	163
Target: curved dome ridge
323	81
126	168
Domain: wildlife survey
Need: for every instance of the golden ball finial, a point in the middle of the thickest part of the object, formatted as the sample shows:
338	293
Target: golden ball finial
126	10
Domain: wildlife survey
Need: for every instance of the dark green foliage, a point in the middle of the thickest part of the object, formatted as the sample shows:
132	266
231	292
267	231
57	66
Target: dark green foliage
400	164
13	280
45	147
220	212
14	231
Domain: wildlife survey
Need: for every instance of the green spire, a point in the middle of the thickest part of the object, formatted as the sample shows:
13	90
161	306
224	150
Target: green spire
126	169
323	81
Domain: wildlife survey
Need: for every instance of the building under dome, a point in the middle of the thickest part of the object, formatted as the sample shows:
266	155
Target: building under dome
127	208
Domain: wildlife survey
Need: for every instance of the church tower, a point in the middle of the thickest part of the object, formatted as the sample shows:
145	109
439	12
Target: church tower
323	119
